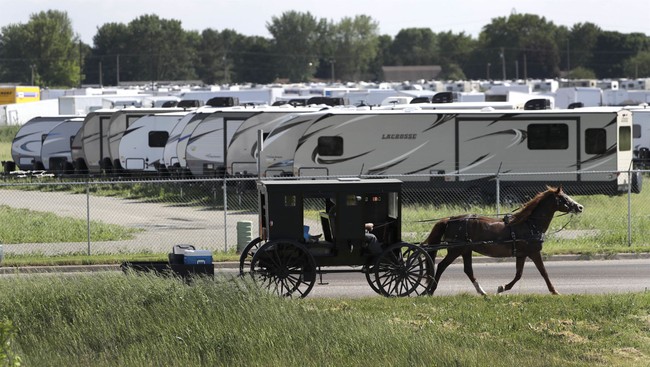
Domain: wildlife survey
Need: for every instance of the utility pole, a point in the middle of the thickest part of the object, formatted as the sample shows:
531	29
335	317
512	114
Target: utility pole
118	70
503	64
101	77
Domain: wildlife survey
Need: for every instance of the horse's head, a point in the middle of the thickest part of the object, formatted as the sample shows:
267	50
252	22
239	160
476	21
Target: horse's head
565	203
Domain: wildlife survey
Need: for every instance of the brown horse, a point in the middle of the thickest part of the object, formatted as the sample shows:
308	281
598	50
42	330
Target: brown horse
520	235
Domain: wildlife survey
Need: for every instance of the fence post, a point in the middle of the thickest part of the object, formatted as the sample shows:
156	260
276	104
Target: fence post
629	205
498	193
88	212
225	214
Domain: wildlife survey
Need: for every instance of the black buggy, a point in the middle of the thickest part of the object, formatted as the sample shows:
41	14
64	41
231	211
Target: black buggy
313	227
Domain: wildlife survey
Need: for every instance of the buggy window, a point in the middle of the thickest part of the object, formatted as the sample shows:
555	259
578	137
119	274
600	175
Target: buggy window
290	200
595	141
548	136
330	145
158	139
392	205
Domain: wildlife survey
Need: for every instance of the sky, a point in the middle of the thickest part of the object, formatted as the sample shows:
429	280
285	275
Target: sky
250	17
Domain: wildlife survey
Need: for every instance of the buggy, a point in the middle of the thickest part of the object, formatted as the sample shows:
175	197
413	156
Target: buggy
287	259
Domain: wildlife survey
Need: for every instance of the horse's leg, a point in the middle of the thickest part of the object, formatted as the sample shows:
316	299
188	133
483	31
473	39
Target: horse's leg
521	260
444	263
539	263
469	271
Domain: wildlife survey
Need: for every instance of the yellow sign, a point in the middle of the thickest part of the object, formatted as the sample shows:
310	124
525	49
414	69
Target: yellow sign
19	94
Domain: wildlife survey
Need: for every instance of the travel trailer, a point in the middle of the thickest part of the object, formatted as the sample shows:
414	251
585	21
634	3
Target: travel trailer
171	162
464	149
241	158
141	147
56	153
26	145
206	149
92	147
117	125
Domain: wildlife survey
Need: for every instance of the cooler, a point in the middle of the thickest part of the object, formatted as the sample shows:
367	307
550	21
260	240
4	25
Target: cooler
194	257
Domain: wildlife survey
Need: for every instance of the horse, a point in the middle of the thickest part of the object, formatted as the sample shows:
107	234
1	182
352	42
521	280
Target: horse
520	234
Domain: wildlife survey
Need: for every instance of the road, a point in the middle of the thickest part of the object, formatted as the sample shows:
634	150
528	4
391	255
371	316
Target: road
569	277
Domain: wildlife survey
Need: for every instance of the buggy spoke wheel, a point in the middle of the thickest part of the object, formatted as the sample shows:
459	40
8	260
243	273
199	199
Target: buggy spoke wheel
247	255
372	279
403	270
284	268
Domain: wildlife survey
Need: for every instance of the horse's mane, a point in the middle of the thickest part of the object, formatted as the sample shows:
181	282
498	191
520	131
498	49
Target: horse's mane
526	210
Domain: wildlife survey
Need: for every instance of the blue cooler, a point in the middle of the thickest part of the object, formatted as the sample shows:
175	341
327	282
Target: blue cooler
195	257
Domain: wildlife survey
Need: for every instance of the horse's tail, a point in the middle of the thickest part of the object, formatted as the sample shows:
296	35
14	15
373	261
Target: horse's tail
438	230
435	237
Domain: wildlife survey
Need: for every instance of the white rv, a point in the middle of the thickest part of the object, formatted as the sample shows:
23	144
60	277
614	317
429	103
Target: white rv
56	153
26	145
92	148
120	121
180	133
241	158
481	144
206	149
142	144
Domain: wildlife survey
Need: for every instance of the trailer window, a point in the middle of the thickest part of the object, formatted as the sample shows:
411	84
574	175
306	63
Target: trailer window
330	145
636	131
595	141
624	138
158	139
548	136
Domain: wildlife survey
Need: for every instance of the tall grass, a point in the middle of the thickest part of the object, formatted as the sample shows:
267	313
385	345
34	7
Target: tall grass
118	320
7	134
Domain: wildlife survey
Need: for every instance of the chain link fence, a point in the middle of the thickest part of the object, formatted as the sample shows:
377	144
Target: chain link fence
57	216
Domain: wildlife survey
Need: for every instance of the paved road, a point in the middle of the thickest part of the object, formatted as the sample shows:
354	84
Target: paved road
164	225
569	277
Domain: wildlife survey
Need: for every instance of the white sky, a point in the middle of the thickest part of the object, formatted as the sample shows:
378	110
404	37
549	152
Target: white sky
249	17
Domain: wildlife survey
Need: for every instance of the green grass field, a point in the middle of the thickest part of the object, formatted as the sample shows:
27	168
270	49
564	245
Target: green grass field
129	320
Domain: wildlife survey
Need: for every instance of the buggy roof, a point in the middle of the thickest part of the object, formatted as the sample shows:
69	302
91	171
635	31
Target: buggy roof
340	184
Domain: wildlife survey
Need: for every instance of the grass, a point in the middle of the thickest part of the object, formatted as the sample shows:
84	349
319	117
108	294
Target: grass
74	320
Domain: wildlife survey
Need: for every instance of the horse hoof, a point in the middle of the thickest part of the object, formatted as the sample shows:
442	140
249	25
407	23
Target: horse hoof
500	289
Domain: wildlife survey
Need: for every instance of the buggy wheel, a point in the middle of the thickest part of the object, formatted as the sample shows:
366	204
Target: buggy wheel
372	279
247	255
404	269
285	268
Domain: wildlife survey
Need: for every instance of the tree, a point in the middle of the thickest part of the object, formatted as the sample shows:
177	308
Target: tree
295	42
113	52
148	48
612	49
582	39
638	66
581	73
455	51
528	39
44	51
415	46
251	63
217	55
355	46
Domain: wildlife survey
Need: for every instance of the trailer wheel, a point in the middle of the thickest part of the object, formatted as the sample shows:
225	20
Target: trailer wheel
404	269
285	268
247	255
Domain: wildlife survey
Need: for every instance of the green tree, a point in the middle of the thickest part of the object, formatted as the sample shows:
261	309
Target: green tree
45	50
113	53
355	44
581	73
612	49
218	54
520	39
582	39
455	51
637	66
295	42
251	63
148	48
415	46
